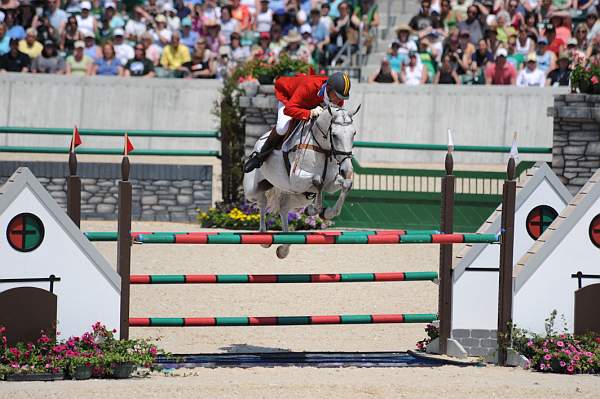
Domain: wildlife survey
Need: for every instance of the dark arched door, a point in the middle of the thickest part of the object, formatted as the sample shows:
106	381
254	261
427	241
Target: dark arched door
587	317
26	312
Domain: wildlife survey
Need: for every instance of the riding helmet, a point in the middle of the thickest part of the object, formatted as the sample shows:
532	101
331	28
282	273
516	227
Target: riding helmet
339	82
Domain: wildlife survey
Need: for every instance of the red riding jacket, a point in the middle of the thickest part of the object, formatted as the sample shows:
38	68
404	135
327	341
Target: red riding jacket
299	94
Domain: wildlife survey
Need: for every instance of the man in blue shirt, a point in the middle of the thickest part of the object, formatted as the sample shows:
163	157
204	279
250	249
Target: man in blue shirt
56	16
4	40
188	36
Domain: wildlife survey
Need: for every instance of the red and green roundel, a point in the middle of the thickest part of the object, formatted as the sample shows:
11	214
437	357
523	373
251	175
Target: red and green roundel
595	230
539	219
25	232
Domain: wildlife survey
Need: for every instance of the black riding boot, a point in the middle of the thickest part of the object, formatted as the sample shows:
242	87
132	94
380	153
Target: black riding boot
256	159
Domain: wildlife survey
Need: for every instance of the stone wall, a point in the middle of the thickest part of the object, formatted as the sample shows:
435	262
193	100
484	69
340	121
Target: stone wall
260	107
160	192
576	138
477	342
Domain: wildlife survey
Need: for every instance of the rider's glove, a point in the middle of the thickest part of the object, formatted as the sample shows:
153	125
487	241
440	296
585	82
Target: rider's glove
315	112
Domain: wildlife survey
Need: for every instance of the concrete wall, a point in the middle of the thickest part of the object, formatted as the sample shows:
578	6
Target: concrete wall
477	115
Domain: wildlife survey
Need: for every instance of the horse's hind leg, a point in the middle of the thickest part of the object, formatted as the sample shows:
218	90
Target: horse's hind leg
284	249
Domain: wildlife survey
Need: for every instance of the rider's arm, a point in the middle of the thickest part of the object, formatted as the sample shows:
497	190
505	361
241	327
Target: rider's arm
294	106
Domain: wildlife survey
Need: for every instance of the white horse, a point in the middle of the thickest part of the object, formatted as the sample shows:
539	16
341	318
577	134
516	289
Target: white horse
319	160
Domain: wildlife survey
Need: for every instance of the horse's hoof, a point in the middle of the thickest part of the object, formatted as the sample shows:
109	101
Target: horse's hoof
311	210
282	251
266	245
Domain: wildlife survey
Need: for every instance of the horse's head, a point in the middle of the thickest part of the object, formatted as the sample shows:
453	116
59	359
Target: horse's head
335	132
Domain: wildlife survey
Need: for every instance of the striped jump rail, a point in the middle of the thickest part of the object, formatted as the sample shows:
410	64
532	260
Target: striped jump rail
280	320
285	238
280	278
112	235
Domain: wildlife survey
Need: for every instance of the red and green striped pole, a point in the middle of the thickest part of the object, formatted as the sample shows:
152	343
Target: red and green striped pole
280	320
112	235
285	238
280	278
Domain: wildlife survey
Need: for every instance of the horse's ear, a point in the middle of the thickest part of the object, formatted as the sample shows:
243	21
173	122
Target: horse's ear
355	111
329	110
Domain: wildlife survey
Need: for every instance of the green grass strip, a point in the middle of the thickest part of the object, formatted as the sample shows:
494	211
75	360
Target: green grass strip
293	278
420	276
232	321
284	238
293	320
167	279
355	277
415	239
420	318
167	321
356	319
224	239
352	239
232	278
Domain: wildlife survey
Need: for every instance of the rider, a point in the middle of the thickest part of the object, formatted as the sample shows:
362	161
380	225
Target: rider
300	97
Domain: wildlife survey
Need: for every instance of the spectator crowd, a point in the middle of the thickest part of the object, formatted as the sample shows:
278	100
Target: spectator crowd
494	42
176	38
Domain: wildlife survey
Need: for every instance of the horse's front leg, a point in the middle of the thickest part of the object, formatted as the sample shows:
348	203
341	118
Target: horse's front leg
284	249
317	205
336	209
262	206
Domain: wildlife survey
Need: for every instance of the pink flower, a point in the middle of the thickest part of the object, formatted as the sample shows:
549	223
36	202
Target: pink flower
595	79
542	366
546	350
576	357
547	357
562	364
529	343
560	344
570	369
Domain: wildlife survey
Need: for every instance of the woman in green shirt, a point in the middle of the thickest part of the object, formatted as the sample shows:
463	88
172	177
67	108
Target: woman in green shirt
79	64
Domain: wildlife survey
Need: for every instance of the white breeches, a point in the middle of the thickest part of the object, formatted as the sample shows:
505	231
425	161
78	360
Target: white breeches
283	120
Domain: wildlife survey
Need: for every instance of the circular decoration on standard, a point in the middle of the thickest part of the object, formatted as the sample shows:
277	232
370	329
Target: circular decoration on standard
538	220
595	230
25	232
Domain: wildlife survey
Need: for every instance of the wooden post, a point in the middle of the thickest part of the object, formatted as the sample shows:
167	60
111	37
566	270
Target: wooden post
124	245
445	272
505	281
73	191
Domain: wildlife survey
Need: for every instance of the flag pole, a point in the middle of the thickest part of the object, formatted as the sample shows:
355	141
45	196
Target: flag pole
124	239
74	181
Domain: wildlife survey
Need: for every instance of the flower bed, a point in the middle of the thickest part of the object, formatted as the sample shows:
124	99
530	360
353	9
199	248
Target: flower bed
95	354
247	217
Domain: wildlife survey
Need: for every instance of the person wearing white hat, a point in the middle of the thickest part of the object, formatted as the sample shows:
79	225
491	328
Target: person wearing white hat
111	18
79	64
173	21
85	21
531	76
123	51
30	45
500	72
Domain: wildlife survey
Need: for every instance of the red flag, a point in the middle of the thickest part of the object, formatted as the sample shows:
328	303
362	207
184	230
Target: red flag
75	140
128	146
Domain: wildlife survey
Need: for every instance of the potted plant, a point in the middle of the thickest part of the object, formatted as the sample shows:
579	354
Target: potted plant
586	78
82	366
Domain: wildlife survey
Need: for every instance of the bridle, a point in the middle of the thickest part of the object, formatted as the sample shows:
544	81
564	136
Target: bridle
332	153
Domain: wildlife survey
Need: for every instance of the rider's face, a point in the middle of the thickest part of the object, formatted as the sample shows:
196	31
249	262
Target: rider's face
334	98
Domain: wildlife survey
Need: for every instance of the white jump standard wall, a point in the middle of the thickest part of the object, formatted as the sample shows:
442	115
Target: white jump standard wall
542	277
475	274
89	289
